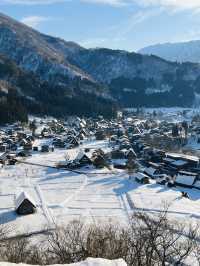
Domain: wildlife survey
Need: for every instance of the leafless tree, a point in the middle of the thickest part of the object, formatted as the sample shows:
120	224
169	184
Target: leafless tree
107	241
14	250
155	240
66	244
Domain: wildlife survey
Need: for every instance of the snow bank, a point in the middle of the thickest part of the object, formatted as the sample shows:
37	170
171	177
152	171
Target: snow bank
88	262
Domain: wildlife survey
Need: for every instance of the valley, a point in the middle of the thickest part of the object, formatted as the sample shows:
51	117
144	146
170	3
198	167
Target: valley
101	188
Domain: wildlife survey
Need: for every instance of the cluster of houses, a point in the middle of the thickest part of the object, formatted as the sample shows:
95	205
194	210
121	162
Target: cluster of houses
159	147
148	148
18	141
173	169
14	142
153	145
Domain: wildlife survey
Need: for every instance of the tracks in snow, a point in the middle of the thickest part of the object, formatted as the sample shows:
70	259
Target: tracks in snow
50	218
76	193
127	205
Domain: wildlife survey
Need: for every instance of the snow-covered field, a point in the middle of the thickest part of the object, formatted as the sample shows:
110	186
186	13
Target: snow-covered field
93	196
154	198
60	195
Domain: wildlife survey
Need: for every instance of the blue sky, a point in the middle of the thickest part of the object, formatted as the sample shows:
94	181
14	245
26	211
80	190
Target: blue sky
117	24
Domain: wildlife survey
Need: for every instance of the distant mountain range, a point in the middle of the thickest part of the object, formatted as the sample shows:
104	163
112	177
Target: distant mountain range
52	76
180	52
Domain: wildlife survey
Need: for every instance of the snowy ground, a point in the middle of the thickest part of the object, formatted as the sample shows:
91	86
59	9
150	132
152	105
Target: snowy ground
95	196
88	262
60	195
153	198
171	114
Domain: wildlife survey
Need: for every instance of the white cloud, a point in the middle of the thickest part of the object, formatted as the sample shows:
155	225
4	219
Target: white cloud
32	2
182	4
123	29
177	4
116	3
34	21
43	2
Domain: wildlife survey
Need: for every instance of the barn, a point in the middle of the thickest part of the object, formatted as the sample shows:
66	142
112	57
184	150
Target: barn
24	204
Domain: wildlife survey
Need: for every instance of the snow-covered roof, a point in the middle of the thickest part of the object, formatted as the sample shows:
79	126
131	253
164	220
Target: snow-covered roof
140	176
22	197
131	151
150	171
185	179
76	155
119	161
187	173
2	153
179	163
197	184
80	155
182	156
168	160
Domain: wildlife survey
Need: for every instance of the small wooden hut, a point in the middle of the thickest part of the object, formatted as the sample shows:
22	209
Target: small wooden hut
24	204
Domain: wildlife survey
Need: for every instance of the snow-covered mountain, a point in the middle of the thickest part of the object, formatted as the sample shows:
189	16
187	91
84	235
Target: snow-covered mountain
72	78
140	80
180	52
60	87
32	50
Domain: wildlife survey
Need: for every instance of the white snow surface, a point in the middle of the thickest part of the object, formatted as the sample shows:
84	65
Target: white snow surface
87	262
61	195
94	196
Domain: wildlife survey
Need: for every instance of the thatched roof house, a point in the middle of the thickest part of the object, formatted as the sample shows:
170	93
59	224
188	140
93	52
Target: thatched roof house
24	204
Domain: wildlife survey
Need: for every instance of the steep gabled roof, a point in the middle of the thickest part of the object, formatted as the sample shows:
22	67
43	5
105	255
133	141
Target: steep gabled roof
23	196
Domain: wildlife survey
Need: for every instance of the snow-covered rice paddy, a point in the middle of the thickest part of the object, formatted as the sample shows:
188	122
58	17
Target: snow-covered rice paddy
93	196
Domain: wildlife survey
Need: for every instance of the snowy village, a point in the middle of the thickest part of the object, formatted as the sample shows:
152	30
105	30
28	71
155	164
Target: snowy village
97	170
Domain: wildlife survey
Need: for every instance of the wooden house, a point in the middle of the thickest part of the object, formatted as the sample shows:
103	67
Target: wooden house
119	163
99	161
141	178
117	154
151	171
24	204
23	142
78	159
35	148
59	143
191	161
125	145
23	153
74	142
83	159
3	158
45	148
130	154
100	135
3	147
28	146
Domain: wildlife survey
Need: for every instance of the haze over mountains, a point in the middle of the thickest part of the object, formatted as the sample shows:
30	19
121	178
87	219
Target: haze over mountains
180	52
53	76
